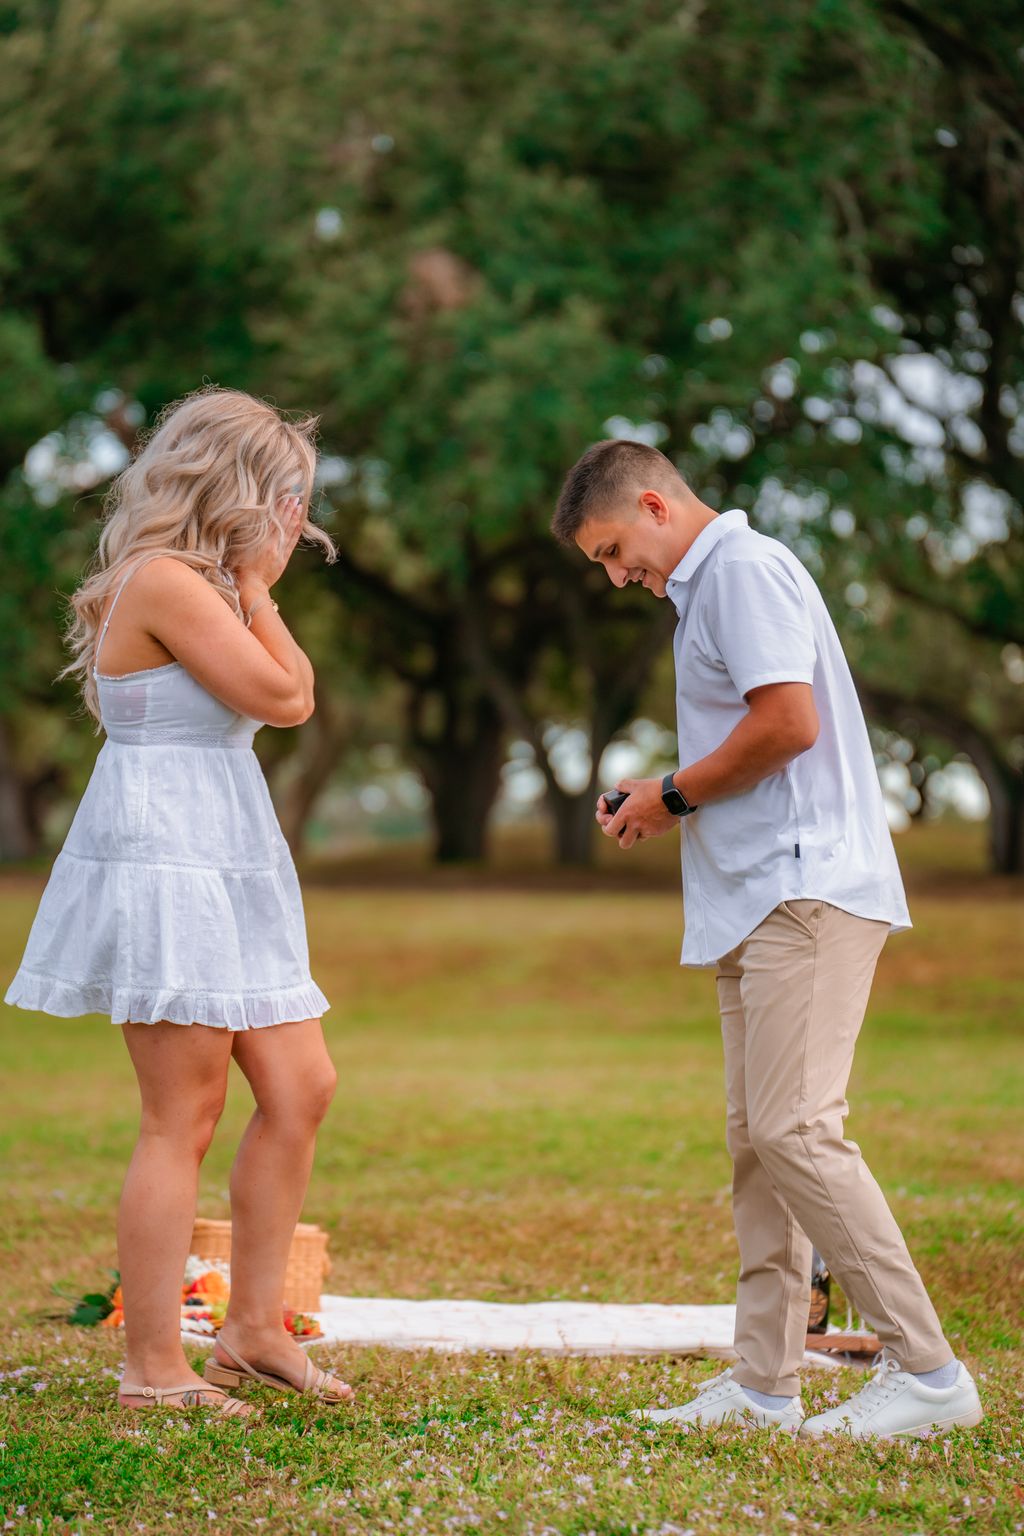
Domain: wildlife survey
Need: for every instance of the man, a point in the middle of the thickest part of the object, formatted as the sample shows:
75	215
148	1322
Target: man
790	887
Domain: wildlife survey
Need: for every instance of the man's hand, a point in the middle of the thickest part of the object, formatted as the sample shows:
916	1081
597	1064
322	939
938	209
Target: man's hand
643	815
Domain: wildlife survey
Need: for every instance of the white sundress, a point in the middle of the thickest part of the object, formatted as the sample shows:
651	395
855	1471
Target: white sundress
174	896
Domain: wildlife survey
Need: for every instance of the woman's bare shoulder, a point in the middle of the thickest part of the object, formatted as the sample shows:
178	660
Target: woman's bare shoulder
167	575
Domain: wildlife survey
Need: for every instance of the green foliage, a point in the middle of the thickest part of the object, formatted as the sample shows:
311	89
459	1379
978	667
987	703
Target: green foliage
30	394
473	238
93	1307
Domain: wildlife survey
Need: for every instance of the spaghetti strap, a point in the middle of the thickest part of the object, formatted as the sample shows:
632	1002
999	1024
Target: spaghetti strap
110	614
133	571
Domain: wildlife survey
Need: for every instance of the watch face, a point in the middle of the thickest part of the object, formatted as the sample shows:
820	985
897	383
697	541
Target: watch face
673	799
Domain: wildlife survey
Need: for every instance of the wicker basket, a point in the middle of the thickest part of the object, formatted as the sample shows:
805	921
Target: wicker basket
308	1263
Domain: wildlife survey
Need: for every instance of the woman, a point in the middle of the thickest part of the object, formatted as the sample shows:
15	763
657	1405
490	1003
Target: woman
174	904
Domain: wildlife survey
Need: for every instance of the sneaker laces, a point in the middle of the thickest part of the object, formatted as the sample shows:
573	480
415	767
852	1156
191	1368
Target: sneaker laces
721	1380
882	1384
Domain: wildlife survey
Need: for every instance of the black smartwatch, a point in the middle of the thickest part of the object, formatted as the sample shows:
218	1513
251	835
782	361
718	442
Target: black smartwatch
673	799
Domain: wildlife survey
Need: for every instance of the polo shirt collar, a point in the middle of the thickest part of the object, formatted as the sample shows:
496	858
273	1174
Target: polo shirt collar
704	543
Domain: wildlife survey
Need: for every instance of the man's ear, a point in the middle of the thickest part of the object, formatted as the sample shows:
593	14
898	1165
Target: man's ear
655	506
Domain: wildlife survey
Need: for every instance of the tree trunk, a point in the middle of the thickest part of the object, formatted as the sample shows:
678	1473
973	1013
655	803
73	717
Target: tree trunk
18	835
319	748
1004	783
572	818
1006	824
461	765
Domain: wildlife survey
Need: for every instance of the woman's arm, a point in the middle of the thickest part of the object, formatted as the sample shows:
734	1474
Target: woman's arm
259	671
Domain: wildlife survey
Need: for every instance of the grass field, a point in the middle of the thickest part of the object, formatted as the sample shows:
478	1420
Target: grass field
530	1107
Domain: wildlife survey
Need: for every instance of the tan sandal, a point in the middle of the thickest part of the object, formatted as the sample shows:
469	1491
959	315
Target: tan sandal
189	1397
315	1383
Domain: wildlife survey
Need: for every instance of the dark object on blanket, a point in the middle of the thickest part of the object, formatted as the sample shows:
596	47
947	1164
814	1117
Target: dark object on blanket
856	1346
821	1283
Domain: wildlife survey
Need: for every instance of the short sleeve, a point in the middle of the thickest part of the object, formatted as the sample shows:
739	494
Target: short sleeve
762	625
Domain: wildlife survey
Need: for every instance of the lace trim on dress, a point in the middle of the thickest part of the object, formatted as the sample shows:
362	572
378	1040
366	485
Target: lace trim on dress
215	869
130	677
174	736
234	1010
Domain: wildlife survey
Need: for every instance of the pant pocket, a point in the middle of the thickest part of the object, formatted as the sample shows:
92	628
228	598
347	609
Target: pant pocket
808	919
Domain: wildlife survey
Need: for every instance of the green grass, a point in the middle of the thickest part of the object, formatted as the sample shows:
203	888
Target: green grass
530	1106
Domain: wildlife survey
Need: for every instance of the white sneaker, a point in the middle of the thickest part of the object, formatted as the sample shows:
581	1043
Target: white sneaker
895	1403
723	1401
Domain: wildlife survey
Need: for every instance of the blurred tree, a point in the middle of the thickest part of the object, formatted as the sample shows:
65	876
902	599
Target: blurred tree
38	562
902	470
148	210
960	365
783	243
683	223
38	761
357	704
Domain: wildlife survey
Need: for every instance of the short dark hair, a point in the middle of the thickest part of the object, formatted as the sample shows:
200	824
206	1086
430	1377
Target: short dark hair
601	476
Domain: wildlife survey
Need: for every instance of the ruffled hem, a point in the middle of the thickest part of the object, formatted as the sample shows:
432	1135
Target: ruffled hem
144	1005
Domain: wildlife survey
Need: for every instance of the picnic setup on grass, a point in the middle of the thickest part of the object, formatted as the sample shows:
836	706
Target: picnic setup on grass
315	1316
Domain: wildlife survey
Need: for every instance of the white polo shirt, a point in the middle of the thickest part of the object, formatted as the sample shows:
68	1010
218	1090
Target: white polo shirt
749	614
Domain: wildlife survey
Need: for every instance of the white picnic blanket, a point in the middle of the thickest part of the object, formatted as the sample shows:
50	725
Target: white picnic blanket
544	1327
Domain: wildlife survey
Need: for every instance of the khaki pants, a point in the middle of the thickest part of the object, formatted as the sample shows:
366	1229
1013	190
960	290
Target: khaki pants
792	997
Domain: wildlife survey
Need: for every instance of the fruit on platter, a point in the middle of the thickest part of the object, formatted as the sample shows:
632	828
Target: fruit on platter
208	1289
205	1293
302	1325
115	1317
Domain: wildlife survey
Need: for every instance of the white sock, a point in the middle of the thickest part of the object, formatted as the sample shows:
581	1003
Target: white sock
766	1399
944	1376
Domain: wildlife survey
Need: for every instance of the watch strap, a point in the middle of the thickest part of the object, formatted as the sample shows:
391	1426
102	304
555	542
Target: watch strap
673	799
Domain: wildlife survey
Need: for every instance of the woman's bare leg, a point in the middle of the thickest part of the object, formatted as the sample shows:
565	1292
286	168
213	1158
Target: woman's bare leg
293	1081
182	1073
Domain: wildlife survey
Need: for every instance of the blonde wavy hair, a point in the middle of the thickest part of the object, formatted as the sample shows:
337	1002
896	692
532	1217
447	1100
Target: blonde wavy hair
203	486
